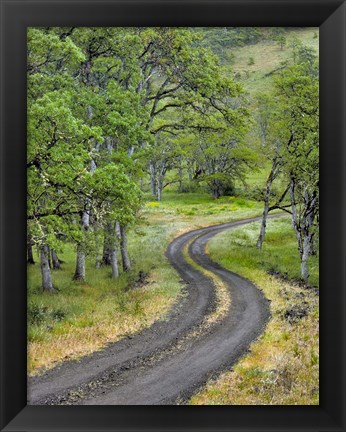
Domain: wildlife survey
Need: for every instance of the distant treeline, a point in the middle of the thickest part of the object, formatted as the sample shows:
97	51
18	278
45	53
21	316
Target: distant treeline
221	38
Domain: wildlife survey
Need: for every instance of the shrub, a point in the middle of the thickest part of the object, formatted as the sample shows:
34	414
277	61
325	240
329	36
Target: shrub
191	186
37	314
58	314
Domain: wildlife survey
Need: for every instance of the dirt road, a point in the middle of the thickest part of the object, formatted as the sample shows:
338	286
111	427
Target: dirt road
168	362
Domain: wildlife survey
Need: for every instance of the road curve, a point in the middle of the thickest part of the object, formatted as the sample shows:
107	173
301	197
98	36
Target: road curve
162	364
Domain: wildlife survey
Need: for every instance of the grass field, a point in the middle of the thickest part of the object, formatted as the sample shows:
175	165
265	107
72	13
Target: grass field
253	63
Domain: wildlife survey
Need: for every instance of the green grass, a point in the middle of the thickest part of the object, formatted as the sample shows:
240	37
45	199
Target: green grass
83	317
267	56
201	208
279	254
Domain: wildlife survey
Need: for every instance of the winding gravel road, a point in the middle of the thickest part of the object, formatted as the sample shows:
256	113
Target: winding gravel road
168	362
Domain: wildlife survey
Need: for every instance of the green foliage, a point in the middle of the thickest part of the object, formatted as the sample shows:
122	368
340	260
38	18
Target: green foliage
36	314
298	89
221	38
39	314
113	194
66	125
251	61
279	36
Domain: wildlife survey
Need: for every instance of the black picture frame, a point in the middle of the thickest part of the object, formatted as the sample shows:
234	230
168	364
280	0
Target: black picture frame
16	16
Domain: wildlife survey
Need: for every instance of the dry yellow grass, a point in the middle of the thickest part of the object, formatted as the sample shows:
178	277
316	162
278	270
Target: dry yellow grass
78	338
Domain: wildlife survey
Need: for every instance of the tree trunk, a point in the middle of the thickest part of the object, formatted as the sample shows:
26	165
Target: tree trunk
117	231
49	258
79	274
153	179
85	222
30	255
310	211
303	224
305	256
107	245
80	259
106	256
295	222
190	170
159	188
216	189
114	254
160	177
98	247
180	174
123	248
272	175
264	220
56	264
106	260
47	284
114	262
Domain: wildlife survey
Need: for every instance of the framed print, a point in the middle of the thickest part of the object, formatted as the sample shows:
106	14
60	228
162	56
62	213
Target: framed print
94	137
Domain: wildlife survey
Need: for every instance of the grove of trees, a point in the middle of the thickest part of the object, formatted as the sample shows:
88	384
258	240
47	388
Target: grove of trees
111	107
291	137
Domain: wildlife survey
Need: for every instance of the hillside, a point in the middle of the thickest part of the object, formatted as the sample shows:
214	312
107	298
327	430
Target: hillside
254	56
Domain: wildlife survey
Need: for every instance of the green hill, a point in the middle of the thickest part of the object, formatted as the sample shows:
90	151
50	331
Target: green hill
253	55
